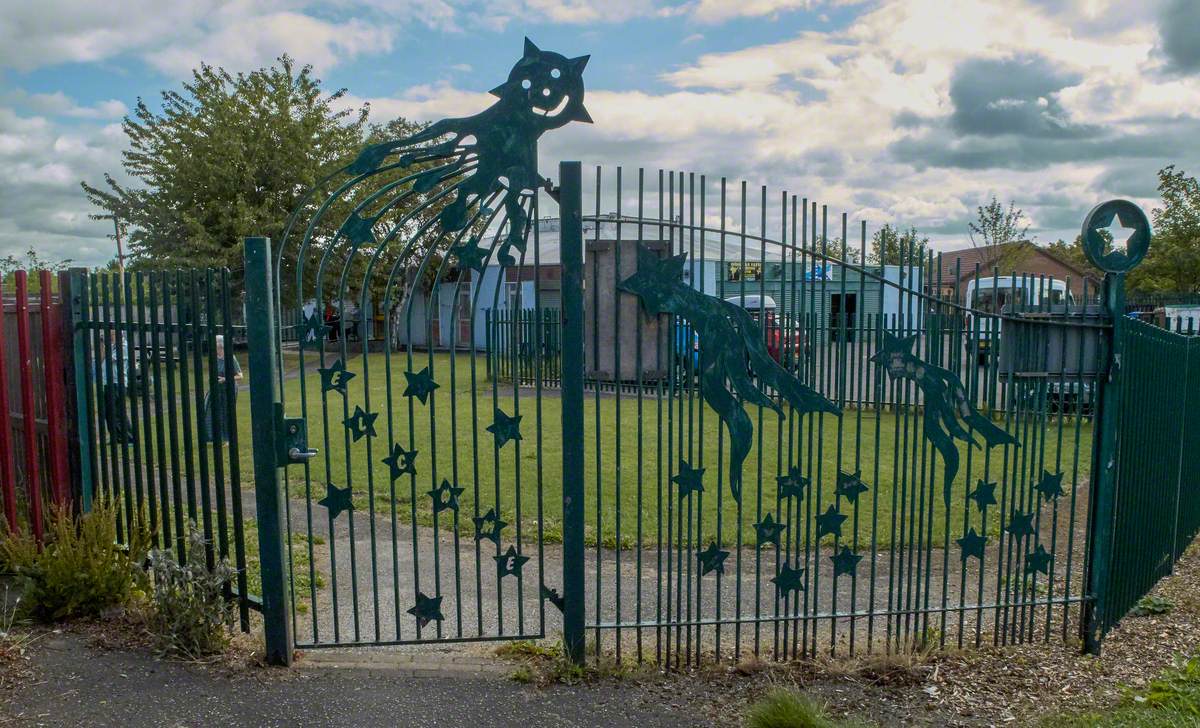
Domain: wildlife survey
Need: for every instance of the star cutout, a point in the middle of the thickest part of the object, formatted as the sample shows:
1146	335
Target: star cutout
552	596
1039	560
984	494
850	486
335	377
420	385
509	562
471	255
1021	524
361	423
336	500
505	428
972	544
1116	235
401	461
1050	486
427	610
788	580
315	326
769	531
830	522
690	480
845	562
654	279
445	497
792	483
712	559
489	526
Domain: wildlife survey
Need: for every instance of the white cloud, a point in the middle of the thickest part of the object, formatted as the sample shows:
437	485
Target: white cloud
41	204
246	45
817	113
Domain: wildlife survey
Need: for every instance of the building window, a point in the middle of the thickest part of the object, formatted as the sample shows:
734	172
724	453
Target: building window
748	271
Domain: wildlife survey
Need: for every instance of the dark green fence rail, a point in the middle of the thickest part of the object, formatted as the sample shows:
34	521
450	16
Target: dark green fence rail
1156	511
524	345
161	415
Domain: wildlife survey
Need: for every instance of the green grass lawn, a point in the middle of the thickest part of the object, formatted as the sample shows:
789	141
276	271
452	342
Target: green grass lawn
884	447
632	449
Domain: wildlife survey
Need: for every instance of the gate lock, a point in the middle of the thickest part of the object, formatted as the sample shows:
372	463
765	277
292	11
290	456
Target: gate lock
291	434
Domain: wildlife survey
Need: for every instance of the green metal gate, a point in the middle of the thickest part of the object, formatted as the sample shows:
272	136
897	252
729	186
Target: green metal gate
754	435
723	475
758	487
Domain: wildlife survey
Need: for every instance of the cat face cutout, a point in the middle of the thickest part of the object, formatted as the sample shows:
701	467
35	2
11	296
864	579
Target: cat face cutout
548	85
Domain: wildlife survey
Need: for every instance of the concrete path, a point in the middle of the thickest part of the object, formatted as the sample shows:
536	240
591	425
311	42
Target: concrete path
78	685
386	576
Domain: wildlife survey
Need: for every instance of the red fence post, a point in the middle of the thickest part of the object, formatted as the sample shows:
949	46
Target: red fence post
56	412
8	463
26	361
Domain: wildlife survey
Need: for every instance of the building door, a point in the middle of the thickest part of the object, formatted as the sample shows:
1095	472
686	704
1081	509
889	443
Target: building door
842	310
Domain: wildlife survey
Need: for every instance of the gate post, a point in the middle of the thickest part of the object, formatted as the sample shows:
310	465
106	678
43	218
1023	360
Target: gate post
571	252
268	495
1106	439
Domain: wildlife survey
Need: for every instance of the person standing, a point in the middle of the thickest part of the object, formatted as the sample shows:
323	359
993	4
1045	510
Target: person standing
217	421
113	387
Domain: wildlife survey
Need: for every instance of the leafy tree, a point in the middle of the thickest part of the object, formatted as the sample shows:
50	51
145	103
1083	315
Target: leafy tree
1172	264
31	261
995	225
232	155
892	246
225	157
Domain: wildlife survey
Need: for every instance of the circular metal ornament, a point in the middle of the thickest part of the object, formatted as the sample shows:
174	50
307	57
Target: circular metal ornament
1116	236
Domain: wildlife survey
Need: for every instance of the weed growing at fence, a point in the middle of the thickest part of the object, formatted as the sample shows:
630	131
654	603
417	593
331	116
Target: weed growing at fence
1171	699
189	614
782	708
548	664
1151	605
81	571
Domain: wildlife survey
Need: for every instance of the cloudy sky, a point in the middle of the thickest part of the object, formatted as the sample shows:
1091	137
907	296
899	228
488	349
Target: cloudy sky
904	111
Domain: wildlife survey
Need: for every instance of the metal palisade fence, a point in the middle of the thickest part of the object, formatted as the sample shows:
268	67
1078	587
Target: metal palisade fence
159	393
700	464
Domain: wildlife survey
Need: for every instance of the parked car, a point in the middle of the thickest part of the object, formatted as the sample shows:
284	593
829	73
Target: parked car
783	343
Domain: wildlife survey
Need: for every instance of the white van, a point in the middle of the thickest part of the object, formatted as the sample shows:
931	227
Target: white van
994	293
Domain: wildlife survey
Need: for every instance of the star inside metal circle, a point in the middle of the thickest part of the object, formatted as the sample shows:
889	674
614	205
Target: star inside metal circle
1116	235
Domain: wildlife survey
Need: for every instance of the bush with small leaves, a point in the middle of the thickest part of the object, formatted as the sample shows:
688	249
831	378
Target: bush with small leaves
190	615
81	569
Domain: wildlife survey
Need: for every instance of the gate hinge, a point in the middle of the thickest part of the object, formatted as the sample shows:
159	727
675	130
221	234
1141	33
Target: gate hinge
291	434
552	190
